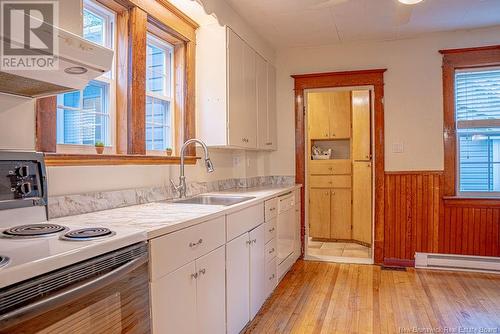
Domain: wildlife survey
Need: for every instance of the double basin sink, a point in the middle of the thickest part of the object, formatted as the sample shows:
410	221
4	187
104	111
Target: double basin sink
214	200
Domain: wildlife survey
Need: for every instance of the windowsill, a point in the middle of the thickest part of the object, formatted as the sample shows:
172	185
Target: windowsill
472	201
61	159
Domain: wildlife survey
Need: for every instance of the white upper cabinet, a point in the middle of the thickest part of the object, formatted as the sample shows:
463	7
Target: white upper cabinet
236	90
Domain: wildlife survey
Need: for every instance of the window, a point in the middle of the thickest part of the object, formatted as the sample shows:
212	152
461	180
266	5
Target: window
159	78
477	112
86	117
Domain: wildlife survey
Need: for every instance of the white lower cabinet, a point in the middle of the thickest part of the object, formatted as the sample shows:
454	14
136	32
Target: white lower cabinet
237	283
245	278
173	300
192	298
257	270
211	292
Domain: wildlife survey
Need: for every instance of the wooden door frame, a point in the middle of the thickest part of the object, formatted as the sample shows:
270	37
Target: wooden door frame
373	78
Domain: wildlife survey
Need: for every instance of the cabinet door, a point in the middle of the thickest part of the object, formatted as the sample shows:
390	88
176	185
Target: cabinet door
237	283
242	90
298	230
340	115
362	202
211	292
318	105
173	300
361	119
257	270
340	227
272	116
319	213
262	102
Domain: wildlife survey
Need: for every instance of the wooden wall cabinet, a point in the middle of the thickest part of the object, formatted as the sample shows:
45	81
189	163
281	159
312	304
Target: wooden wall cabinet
235	102
361	126
329	115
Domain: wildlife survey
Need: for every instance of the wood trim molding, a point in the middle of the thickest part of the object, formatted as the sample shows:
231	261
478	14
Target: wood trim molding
373	78
57	160
454	59
471	202
122	24
46	123
136	107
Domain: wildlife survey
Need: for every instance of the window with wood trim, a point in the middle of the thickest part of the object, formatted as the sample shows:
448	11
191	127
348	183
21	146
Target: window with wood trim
144	105
471	83
87	117
159	94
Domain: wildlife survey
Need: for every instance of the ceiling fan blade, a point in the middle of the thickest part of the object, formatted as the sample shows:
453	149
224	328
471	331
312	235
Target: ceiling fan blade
403	14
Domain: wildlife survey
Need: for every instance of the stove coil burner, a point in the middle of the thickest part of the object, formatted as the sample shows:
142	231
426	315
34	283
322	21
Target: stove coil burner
33	230
4	260
90	233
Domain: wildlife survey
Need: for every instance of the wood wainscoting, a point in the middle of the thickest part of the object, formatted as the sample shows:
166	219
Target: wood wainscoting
419	219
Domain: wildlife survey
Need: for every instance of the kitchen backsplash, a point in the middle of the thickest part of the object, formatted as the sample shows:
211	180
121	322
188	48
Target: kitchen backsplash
69	205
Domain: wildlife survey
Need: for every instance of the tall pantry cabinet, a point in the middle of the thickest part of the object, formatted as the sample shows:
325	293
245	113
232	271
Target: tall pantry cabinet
340	188
236	92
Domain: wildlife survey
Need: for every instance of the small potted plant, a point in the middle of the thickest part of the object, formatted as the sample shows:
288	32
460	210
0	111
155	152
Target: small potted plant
99	147
168	150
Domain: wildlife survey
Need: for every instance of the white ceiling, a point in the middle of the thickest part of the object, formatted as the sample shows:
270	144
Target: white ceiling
289	23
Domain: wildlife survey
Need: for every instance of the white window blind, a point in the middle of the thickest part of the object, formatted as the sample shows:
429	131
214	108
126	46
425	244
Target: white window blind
477	105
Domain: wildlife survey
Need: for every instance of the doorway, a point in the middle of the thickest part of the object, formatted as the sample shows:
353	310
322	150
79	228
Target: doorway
374	79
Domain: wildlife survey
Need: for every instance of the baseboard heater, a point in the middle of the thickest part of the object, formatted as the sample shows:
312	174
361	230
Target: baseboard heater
458	262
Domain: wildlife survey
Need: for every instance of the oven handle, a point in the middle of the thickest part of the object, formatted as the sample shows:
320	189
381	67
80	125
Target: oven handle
69	294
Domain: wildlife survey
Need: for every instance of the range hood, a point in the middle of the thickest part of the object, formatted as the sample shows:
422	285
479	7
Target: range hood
79	62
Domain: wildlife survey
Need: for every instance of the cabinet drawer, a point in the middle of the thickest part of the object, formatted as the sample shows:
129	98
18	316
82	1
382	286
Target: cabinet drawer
270	229
330	167
243	221
286	202
178	248
271	250
271	276
271	208
334	181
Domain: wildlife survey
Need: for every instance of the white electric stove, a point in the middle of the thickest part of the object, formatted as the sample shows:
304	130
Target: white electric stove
35	253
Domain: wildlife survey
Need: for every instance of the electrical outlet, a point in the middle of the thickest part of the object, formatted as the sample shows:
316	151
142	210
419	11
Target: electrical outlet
398	148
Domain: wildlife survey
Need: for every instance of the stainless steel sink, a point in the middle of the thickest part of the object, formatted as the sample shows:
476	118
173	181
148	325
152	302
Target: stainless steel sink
214	200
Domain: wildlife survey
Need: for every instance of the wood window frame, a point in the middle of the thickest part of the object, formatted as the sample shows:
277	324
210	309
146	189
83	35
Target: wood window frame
134	19
373	78
453	60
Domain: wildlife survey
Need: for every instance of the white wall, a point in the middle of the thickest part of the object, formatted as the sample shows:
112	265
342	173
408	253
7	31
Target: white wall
413	92
17	131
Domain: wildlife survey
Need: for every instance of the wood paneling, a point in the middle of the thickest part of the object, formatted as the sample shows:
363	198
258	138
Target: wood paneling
373	78
412	202
46	123
320	297
121	82
470	227
418	219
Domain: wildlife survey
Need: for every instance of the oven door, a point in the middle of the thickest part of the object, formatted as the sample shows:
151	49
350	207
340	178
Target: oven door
114	302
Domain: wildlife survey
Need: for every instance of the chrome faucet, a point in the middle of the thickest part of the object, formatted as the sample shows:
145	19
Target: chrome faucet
181	187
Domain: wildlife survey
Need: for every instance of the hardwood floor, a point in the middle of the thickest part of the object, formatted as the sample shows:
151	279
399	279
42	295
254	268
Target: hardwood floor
320	297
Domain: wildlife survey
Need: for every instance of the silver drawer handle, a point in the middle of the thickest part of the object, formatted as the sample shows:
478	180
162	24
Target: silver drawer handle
202	271
272	277
194	276
271	230
194	244
269	144
271	251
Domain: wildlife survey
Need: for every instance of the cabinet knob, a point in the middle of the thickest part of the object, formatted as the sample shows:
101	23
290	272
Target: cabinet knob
272	276
269	144
326	135
202	271
271	230
248	242
271	251
194	276
194	244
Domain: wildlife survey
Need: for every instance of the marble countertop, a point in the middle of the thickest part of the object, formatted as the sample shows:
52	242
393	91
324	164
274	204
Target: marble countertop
160	218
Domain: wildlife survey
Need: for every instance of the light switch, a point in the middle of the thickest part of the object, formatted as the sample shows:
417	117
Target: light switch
398	148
